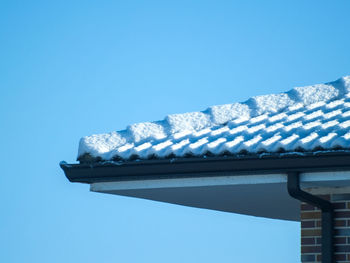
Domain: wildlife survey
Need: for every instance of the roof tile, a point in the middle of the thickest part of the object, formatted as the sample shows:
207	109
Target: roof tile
303	119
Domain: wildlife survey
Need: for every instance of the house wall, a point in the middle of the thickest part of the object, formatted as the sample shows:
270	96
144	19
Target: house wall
311	229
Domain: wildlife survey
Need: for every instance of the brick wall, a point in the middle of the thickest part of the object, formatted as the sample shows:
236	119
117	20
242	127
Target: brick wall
311	229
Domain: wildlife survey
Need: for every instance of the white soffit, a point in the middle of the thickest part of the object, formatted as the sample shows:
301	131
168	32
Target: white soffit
262	195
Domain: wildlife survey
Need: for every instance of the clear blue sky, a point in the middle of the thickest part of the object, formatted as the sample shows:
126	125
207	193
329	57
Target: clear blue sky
74	68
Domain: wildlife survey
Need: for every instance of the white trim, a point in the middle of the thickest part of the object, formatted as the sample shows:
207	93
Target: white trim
324	176
307	180
189	182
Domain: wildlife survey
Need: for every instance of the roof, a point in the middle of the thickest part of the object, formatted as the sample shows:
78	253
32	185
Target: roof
303	120
232	158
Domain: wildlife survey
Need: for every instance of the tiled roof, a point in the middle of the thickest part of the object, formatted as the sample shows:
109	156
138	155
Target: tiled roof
305	119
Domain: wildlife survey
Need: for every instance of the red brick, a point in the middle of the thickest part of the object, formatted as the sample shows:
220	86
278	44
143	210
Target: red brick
310	232
340	223
307	240
311	229
342	248
340	257
307	207
310	215
307	224
342	214
310	249
340	240
341	205
343	232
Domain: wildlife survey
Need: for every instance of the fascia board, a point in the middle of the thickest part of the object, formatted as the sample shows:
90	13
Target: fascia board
317	179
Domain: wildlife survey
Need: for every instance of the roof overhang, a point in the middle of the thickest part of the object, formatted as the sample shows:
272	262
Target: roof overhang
250	185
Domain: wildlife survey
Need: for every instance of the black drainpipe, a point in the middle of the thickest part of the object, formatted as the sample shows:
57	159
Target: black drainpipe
327	214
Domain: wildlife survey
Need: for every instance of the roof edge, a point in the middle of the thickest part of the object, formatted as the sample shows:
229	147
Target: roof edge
205	167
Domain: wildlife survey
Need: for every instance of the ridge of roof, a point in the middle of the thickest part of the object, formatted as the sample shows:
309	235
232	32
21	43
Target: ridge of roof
304	118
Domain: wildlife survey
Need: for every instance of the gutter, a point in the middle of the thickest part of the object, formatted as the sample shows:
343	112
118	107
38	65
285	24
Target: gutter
326	207
204	167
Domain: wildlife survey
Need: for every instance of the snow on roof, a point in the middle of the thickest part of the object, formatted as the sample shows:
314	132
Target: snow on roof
306	118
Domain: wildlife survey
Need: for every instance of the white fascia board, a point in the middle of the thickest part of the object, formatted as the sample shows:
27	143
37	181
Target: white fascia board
325	179
189	182
334	179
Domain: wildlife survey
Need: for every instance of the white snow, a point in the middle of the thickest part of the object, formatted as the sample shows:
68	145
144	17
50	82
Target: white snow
306	117
278	117
247	144
231	144
220	131
311	125
162	145
221	114
287	142
267	143
295	116
333	104
181	134
316	93
238	129
345	124
100	144
293	126
342	84
296	106
332	114
327	138
270	103
201	132
190	121
274	127
180	145
143	147
147	130
258	118
194	146
330	124
214	144
346	114
256	128
313	115
125	147
307	141
315	105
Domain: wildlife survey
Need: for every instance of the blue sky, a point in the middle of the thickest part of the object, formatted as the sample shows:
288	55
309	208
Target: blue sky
75	68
